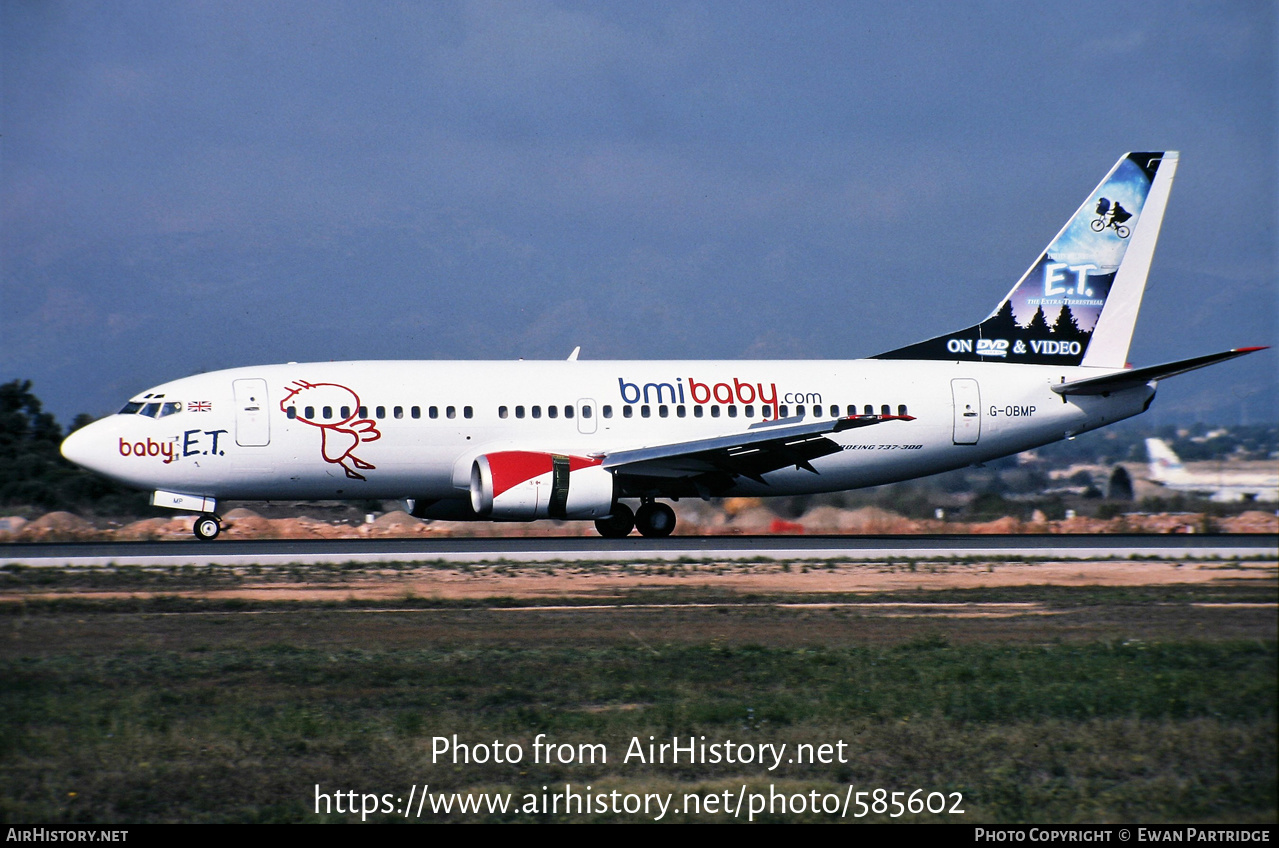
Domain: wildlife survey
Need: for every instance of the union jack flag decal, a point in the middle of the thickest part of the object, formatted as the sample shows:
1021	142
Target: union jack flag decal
199	406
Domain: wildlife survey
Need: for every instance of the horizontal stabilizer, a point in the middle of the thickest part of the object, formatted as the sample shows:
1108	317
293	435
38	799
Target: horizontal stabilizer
1134	377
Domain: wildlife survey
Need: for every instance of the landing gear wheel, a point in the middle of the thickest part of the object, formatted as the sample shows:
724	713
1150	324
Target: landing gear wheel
207	527
655	520
618	525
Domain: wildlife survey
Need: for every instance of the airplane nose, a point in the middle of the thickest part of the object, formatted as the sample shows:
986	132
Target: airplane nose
78	447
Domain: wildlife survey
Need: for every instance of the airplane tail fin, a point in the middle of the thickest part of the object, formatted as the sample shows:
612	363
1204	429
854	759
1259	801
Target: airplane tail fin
1165	465
1078	303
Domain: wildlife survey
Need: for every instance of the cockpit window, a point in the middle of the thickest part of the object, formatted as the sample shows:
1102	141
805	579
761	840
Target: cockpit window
151	408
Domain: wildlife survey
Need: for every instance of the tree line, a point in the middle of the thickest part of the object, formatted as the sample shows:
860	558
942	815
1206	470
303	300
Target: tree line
33	472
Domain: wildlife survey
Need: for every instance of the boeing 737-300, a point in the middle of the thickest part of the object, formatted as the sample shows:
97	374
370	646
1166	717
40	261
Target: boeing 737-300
525	440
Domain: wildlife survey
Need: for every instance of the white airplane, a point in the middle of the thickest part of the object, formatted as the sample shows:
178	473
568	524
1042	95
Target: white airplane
1167	471
518	441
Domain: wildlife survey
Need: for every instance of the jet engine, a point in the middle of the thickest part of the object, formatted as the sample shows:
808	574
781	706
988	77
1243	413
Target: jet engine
524	485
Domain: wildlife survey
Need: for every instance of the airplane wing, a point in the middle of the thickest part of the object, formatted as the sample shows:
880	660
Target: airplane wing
1134	377
709	465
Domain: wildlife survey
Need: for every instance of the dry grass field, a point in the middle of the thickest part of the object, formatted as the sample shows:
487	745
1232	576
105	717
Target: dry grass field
1038	691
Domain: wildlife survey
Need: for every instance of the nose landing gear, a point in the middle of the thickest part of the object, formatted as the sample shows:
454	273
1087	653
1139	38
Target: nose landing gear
207	527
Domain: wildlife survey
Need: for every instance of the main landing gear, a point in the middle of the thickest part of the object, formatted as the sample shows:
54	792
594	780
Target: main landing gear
207	527
654	520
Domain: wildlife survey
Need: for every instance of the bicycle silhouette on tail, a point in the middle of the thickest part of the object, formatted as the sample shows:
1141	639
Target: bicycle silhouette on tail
1111	215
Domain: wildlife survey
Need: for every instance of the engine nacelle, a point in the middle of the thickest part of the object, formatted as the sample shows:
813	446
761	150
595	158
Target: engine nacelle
523	485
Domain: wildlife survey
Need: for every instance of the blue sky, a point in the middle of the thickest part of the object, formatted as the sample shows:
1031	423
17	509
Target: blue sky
187	186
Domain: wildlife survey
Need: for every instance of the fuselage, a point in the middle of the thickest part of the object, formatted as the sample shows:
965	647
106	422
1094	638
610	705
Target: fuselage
411	429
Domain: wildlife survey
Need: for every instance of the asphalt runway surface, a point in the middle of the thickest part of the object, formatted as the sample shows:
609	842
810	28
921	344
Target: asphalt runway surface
637	549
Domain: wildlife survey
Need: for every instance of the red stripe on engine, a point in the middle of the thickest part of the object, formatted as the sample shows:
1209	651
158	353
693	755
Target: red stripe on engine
576	463
511	468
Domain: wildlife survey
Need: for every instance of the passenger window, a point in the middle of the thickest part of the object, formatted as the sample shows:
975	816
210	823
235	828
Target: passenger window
433	412
552	411
398	412
537	412
568	412
783	412
628	411
364	411
834	410
901	409
868	410
608	411
586	412
732	410
799	410
291	412
519	412
680	411
697	412
645	411
415	411
346	412
885	410
310	413
451	412
468	412
749	409
715	411
501	412
664	411
852	409
328	413
380	412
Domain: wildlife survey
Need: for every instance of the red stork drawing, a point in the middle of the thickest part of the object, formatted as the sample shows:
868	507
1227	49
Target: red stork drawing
338	435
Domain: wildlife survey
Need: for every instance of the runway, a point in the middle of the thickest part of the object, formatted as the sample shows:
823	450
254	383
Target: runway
696	548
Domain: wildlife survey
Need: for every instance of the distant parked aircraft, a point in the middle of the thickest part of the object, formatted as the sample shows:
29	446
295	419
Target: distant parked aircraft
1166	470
